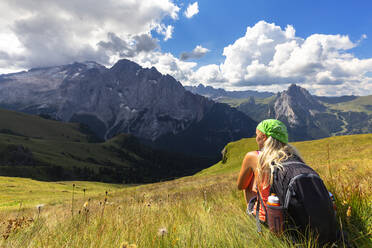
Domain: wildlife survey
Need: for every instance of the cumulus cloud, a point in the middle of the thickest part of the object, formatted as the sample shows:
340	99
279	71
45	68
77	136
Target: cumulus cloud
192	10
166	63
167	31
197	53
55	32
209	74
130	48
269	57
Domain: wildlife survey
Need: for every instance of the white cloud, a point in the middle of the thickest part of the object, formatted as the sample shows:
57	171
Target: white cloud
57	32
197	53
192	10
168	32
269	57
166	63
208	75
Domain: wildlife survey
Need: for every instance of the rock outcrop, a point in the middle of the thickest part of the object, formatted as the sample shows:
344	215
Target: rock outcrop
305	117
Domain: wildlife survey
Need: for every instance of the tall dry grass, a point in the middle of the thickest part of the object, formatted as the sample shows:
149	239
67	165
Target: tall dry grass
197	211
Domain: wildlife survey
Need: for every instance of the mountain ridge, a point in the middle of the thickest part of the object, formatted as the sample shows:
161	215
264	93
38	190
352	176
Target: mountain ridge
307	117
219	93
125	98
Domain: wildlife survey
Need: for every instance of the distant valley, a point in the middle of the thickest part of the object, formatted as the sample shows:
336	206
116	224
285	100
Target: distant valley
307	116
220	94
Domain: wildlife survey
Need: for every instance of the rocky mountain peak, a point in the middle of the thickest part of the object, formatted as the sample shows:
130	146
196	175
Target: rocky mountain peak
299	97
125	65
296	107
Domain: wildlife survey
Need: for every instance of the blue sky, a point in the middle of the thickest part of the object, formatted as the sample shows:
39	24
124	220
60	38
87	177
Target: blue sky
324	46
219	23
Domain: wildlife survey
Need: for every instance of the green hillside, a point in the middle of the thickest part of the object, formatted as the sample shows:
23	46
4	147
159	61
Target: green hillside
33	147
236	102
360	104
205	210
315	153
33	126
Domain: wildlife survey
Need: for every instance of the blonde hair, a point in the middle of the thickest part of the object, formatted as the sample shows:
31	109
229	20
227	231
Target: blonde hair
273	154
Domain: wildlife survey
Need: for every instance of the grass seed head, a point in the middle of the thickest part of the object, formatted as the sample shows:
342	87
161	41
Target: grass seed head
39	207
162	231
125	244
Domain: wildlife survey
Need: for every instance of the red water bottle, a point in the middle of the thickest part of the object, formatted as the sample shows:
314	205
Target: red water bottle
275	214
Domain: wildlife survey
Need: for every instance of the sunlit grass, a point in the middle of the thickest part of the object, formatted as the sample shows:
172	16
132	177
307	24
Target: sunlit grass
205	210
18	192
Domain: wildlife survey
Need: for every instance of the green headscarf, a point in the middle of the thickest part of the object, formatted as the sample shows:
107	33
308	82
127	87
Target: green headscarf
275	129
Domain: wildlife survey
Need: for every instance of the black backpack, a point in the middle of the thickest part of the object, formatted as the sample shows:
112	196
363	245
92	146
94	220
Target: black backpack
307	206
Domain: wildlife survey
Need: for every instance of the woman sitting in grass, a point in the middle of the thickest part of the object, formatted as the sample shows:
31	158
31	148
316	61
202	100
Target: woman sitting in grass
300	189
273	149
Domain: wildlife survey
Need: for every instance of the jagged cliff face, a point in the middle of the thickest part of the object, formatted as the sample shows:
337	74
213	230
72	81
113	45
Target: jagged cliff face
305	117
298	110
125	99
295	105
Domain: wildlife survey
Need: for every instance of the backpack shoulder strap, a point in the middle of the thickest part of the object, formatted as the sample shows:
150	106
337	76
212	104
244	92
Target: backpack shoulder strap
260	201
273	187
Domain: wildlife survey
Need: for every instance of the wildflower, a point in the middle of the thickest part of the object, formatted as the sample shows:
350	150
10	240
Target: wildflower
85	206
39	207
162	231
348	212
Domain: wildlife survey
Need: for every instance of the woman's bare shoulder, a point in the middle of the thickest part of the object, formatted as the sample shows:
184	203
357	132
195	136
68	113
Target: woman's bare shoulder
250	159
251	154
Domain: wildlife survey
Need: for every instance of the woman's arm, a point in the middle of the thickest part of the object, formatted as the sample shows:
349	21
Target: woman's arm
246	172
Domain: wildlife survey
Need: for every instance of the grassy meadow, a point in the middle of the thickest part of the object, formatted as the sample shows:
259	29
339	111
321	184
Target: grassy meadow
26	193
361	104
204	210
